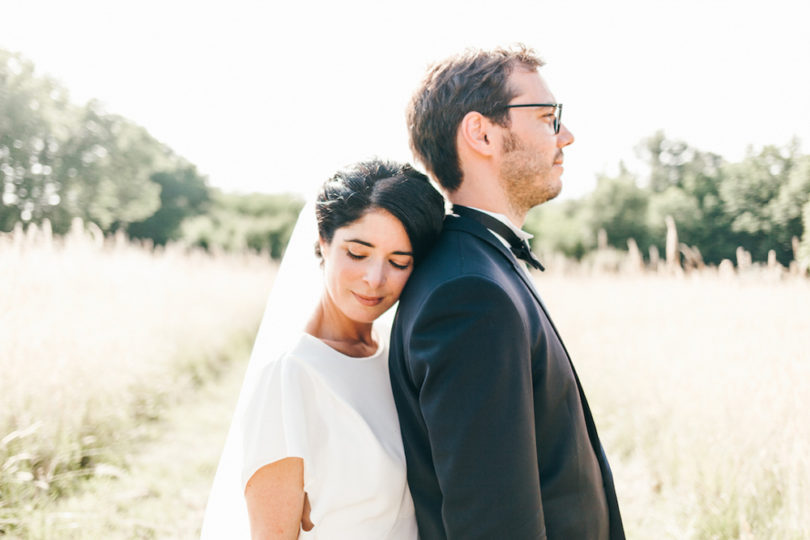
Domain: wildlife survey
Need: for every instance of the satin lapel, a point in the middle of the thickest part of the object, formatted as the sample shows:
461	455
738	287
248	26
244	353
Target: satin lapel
460	223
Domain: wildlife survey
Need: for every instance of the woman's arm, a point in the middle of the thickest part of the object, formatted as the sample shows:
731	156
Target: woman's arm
276	500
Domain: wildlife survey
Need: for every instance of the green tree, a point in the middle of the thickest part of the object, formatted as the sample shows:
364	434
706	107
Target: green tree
183	193
683	208
787	209
763	197
619	206
803	256
560	227
685	183
106	169
32	127
59	161
674	163
759	203
234	222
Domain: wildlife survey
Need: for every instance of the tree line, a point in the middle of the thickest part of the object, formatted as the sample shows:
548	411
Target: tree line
60	161
760	203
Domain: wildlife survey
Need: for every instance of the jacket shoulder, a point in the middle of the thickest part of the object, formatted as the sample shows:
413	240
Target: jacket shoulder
460	263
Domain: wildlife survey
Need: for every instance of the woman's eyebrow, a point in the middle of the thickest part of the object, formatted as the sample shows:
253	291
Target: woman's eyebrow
358	241
369	244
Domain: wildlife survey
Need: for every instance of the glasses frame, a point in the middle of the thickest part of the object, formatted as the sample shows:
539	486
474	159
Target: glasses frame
557	112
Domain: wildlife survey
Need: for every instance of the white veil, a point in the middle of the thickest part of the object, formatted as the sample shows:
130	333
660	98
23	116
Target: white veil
296	290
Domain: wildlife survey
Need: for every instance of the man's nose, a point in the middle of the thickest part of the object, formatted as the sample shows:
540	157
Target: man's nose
564	137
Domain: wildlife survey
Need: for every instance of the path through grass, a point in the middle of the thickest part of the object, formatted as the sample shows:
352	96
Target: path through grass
163	492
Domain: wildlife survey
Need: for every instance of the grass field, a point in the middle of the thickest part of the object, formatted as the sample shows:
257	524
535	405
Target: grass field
700	387
98	338
111	354
162	491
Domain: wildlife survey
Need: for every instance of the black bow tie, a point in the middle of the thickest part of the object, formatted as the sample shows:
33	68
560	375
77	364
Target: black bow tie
519	247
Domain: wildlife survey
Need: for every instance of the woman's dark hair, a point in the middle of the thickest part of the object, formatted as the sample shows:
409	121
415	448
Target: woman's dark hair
372	185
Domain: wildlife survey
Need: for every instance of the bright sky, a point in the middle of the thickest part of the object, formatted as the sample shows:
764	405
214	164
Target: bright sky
273	96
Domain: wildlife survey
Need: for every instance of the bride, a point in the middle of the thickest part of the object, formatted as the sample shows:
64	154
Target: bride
314	450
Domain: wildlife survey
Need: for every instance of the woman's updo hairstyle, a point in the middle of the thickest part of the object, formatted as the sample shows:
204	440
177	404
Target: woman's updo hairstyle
372	185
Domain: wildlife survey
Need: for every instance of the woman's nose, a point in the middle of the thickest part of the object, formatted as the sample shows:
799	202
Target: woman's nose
375	274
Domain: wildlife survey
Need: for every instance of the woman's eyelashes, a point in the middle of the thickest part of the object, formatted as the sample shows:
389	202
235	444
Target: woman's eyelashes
399	265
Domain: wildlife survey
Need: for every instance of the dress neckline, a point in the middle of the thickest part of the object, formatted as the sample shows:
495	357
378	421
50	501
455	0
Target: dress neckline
322	343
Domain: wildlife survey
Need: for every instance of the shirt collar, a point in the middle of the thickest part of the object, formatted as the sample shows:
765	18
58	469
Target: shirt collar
523	235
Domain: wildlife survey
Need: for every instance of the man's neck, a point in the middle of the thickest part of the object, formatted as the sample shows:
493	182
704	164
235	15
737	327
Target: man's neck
492	203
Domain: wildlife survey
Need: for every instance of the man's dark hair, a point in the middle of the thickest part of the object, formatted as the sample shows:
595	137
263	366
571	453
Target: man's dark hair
397	188
476	80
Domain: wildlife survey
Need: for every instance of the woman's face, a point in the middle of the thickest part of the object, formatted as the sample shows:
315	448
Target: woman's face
366	265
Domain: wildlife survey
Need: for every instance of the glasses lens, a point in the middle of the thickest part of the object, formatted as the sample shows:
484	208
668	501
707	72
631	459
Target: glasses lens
558	118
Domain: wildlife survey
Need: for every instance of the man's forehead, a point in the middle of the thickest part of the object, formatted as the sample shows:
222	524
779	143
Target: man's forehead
531	84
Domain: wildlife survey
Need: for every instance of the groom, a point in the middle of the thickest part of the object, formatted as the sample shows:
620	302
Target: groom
498	436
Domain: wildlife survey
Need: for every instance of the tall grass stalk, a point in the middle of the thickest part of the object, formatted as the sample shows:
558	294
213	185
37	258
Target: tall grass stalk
700	387
96	337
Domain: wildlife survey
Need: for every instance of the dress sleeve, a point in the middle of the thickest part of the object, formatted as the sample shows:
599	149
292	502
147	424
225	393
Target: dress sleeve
273	422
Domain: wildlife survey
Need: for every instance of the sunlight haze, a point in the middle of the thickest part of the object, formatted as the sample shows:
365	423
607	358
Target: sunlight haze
272	97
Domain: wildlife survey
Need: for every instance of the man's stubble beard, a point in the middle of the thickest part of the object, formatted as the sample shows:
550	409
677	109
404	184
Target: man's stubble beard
525	176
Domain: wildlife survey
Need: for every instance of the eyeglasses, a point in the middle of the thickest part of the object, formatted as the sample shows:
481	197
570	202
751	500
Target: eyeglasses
557	111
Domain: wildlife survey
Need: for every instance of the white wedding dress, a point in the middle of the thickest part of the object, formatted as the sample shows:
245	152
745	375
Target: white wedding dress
337	413
301	398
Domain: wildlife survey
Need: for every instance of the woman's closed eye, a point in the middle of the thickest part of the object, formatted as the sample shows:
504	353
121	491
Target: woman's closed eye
401	265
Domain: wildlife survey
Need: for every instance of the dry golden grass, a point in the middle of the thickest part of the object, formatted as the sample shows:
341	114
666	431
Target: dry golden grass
699	383
96	337
700	387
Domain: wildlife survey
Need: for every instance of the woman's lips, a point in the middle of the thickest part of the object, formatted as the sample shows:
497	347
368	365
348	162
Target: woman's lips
368	300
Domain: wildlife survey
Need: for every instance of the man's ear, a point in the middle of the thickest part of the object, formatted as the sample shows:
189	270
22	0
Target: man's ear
477	132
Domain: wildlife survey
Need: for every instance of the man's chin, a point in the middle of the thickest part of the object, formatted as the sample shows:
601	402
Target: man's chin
558	186
541	197
552	190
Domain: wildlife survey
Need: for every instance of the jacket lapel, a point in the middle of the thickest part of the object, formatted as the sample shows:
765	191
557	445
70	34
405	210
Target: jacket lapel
460	223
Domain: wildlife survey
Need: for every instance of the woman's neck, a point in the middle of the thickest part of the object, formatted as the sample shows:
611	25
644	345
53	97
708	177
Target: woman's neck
331	326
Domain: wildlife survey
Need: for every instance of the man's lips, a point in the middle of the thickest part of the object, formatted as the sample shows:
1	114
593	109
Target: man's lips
368	300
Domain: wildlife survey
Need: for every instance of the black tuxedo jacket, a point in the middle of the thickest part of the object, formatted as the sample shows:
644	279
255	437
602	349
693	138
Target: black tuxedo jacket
498	436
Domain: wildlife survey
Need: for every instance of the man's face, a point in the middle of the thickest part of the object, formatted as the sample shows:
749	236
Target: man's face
531	157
